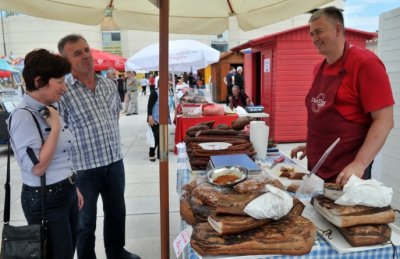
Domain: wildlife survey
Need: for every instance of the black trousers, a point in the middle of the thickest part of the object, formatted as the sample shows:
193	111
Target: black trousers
156	133
229	90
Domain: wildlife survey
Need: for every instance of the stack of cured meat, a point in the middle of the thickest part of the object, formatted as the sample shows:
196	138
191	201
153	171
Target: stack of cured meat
222	228
360	225
205	133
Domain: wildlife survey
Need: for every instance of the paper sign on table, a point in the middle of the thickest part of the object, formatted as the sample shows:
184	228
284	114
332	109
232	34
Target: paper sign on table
181	241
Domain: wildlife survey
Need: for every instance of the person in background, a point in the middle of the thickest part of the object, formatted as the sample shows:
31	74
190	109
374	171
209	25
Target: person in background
44	78
91	110
185	78
132	89
152	82
200	82
191	80
144	82
153	119
350	98
176	78
156	79
238	98
171	96
228	80
180	84
127	96
238	78
121	87
111	74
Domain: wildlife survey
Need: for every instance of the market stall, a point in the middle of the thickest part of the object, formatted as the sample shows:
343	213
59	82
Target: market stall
184	123
329	243
193	108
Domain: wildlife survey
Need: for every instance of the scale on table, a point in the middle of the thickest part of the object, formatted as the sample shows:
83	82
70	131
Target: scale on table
234	160
254	109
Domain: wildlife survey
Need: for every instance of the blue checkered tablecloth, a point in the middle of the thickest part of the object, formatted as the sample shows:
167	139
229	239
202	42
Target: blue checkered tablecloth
321	249
324	251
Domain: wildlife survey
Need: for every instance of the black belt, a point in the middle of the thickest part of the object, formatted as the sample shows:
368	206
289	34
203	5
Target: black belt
70	180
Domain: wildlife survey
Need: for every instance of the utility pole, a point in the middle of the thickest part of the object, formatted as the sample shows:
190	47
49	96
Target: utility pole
2	32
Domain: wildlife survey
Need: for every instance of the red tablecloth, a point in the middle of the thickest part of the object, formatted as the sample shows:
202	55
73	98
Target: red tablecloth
182	124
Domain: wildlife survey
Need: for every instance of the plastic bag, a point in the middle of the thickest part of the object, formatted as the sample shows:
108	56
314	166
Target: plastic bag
150	137
240	110
311	186
274	204
192	110
369	193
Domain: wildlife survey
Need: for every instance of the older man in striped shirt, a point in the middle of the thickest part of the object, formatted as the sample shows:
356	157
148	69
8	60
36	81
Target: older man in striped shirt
91	109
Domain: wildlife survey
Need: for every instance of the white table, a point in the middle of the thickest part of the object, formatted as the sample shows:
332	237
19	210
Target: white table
255	115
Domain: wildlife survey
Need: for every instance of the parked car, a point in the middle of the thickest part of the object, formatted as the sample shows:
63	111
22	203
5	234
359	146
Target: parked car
9	99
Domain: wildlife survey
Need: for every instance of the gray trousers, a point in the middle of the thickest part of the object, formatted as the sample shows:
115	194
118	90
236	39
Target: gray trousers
133	105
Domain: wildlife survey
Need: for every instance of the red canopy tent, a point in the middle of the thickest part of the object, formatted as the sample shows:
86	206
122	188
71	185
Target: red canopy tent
5	73
104	60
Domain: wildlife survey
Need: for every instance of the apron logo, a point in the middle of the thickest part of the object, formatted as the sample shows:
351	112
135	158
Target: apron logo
318	102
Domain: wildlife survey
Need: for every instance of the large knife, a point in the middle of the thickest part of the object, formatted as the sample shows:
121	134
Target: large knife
305	185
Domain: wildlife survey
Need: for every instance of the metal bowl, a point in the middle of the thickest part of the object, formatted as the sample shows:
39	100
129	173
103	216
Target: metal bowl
240	172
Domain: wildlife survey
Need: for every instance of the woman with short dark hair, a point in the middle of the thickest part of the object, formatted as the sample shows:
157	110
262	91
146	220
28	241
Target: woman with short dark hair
43	149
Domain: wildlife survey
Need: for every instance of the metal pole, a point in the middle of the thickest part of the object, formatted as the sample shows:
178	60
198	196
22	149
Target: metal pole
164	114
2	32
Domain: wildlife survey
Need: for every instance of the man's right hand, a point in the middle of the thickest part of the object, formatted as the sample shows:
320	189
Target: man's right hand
302	149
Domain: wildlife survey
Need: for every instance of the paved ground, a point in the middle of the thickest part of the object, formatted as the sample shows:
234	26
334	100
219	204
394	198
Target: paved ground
141	195
142	190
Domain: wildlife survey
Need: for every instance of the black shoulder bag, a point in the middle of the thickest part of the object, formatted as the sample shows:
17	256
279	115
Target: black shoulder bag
29	241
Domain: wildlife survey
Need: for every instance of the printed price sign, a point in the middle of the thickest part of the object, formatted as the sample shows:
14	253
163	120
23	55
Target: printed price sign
181	242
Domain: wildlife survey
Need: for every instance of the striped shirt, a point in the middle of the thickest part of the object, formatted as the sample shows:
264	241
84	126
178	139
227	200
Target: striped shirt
93	119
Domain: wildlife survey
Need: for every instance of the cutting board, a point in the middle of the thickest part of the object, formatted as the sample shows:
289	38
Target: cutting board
275	172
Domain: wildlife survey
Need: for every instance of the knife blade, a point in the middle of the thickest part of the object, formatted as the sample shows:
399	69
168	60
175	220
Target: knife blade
305	183
323	158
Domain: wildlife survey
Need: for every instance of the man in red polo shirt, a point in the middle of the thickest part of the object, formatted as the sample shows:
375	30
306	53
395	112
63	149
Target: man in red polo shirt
350	98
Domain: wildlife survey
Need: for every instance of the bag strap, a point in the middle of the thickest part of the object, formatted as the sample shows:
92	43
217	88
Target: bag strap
6	214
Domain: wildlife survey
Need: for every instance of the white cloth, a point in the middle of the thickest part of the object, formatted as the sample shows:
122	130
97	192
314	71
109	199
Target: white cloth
274	204
369	193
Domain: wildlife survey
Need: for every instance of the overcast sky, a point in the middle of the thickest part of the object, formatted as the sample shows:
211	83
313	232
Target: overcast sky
364	14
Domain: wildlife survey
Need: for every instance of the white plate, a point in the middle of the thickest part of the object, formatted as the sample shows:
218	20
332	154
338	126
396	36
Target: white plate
215	145
337	241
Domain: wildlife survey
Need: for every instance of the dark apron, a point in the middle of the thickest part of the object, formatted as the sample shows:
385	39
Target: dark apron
326	124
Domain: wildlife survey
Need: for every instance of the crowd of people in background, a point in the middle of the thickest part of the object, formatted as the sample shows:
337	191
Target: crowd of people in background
129	84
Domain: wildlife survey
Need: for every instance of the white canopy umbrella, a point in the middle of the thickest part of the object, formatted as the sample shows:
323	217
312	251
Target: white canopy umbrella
184	55
185	16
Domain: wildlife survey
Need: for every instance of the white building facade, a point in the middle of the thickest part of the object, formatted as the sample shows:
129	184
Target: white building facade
387	163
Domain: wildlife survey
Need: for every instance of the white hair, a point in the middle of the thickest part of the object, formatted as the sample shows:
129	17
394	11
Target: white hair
239	68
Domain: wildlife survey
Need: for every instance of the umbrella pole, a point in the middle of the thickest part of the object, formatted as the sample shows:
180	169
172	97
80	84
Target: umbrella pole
164	114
